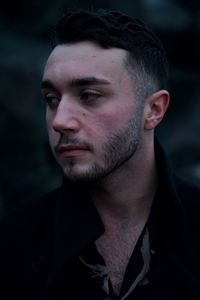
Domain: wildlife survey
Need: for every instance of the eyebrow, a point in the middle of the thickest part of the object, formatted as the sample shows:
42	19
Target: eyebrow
46	84
77	82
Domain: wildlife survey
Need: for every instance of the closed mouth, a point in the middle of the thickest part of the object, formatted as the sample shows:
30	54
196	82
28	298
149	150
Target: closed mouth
70	147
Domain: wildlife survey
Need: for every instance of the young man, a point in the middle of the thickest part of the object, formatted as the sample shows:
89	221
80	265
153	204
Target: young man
121	226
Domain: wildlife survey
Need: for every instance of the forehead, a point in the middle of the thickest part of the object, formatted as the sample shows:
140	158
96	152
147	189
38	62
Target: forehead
86	59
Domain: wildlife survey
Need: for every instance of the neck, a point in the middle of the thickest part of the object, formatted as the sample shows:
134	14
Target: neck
126	195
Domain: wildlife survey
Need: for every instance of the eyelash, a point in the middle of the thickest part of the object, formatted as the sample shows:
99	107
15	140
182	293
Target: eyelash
51	102
89	96
86	97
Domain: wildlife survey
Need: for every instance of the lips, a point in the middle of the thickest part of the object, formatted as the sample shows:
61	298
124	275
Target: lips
71	150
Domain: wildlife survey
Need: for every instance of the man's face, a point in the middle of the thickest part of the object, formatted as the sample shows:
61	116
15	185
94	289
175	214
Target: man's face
94	121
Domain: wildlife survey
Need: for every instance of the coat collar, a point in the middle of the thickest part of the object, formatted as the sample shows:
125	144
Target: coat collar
170	200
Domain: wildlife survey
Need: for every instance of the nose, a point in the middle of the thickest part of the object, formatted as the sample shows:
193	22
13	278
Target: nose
66	118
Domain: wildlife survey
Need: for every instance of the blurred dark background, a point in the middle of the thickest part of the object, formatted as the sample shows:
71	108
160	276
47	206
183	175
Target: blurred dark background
27	166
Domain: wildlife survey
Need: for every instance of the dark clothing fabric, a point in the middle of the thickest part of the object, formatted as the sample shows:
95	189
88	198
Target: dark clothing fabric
139	263
136	273
41	244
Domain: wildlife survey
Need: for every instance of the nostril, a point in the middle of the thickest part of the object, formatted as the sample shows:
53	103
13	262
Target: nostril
67	124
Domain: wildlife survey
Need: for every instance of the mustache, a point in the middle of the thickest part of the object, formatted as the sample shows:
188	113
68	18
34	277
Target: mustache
66	140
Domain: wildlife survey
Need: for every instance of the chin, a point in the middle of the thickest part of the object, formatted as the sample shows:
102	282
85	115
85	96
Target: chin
83	175
76	175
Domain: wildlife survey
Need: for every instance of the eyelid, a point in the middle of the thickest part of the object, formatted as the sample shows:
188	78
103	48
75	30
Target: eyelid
49	92
47	97
51	100
50	95
90	90
90	93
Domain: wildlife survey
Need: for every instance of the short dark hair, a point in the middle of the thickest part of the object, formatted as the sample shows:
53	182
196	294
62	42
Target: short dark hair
147	59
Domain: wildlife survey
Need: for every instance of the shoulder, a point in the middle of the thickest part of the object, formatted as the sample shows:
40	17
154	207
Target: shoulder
188	192
26	236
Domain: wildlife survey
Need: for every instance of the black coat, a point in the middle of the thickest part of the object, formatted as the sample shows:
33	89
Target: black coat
41	240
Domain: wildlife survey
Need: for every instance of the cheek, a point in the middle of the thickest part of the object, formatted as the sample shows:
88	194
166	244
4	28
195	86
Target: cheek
53	138
113	120
48	122
105	124
52	134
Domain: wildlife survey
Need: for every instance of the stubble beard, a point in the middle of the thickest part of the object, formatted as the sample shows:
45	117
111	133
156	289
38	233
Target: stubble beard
118	149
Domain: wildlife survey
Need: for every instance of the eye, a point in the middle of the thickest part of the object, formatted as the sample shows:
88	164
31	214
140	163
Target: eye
52	101
89	97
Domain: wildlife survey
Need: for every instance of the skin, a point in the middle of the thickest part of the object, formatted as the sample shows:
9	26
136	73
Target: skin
107	126
102	135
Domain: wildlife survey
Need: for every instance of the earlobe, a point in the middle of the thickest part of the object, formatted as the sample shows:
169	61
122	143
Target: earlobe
155	109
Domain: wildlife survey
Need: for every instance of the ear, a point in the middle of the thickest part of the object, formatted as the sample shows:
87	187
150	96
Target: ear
155	108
